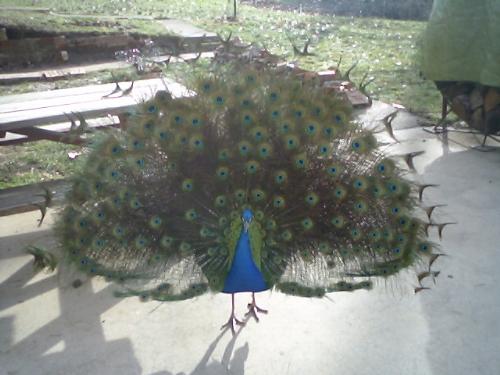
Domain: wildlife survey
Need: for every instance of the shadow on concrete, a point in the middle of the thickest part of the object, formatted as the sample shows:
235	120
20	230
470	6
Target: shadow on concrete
56	347
462	310
230	364
61	345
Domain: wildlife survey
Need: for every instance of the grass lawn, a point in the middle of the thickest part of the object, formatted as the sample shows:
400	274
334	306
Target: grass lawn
384	49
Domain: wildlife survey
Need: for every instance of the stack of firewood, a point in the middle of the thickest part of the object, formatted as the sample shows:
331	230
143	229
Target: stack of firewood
476	104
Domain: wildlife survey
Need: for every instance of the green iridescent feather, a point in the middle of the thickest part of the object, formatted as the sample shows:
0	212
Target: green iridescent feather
161	201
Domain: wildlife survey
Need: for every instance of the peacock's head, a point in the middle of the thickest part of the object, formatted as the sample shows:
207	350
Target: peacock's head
247	217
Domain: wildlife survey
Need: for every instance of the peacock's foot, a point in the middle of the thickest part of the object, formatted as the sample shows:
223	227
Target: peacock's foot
253	309
230	324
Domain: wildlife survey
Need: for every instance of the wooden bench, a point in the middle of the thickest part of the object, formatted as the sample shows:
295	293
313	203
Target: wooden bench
31	115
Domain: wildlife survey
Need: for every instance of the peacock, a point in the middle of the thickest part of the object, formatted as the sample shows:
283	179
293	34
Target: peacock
254	180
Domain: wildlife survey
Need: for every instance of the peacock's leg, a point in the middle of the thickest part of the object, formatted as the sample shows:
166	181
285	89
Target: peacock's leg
253	309
232	318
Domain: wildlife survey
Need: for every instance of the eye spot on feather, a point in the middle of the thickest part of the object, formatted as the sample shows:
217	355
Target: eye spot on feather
250	78
301	161
340	192
328	131
118	231
140	163
285	127
258	195
140	242
312	199
99	243
220	201
264	150
333	170
356	234
219	100
273	96
166	241
164	135
338	221
280	177
424	247
244	148
287	235
206	87
152	109
137	145
401	238
187	185
240	195
185	247
359	184
247	119
191	214
135	204
223	155
279	202
360	206
395	210
311	129
271	224
252	167
307	223
178	120
222	172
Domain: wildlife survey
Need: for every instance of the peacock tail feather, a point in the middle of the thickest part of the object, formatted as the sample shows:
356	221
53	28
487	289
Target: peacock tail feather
162	200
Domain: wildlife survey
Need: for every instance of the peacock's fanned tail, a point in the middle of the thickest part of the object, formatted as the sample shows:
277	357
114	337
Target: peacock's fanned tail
162	200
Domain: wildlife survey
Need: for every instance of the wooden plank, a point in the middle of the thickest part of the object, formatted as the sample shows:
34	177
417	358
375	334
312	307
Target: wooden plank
63	97
24	198
14	139
99	90
36	134
90	106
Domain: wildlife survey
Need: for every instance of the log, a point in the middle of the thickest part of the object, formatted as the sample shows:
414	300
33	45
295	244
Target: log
475	104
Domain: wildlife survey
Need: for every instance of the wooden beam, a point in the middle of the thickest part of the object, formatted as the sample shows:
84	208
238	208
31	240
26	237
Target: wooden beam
36	109
25	198
35	134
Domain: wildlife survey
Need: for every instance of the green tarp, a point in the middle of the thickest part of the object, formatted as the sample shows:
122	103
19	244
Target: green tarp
462	42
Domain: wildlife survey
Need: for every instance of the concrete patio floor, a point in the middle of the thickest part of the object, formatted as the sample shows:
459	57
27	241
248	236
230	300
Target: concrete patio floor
49	327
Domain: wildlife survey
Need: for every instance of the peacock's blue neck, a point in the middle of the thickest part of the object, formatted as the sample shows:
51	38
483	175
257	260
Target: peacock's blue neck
244	275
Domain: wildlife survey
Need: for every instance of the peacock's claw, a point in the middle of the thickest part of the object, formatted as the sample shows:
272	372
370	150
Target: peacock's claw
253	309
230	324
